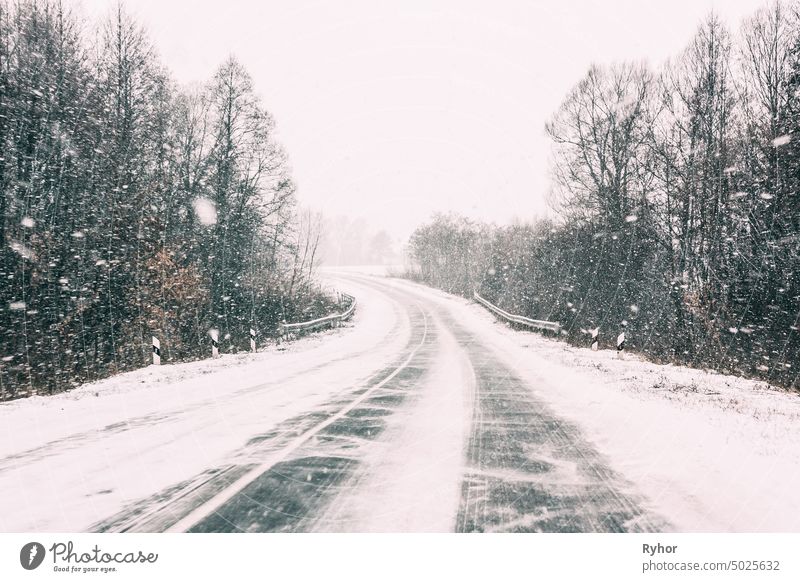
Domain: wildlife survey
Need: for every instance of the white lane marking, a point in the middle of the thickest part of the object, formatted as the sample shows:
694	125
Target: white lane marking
213	504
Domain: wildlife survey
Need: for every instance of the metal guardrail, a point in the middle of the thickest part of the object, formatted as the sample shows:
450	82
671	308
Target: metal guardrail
518	319
328	321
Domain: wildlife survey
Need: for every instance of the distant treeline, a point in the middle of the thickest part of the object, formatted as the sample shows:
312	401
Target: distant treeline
678	209
132	207
348	241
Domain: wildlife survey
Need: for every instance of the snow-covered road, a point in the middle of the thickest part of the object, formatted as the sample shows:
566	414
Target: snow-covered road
424	415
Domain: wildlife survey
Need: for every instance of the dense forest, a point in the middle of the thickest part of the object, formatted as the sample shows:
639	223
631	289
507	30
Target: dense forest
676	197
131	207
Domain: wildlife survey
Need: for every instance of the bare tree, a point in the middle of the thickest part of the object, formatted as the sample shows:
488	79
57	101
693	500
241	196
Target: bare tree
599	134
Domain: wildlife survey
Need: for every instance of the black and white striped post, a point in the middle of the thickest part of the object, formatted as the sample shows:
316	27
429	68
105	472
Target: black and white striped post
214	343
621	340
252	340
156	351
595	342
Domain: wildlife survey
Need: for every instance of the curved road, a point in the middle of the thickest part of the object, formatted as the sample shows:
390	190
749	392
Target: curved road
446	437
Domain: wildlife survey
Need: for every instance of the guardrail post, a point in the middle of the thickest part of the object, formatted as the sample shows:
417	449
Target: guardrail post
156	351
281	331
252	340
214	343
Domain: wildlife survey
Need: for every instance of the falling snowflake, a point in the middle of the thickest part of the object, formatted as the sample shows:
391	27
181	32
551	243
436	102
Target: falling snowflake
22	250
206	211
781	140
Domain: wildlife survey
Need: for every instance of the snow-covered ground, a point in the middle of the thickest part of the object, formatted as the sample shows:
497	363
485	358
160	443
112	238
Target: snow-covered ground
72	459
707	452
710	452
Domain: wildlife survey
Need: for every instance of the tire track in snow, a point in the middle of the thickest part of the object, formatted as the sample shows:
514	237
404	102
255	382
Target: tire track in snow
408	480
529	471
251	497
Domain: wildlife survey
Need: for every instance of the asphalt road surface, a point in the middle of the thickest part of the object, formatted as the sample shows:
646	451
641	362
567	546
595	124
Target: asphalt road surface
445	437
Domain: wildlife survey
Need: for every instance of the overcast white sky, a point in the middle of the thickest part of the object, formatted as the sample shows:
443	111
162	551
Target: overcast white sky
392	111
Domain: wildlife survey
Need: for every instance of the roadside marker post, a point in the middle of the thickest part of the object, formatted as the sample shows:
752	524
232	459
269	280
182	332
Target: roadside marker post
214	343
621	340
595	342
252	340
156	351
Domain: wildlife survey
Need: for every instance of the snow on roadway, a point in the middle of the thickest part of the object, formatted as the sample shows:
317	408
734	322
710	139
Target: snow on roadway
711	452
412	481
72	459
